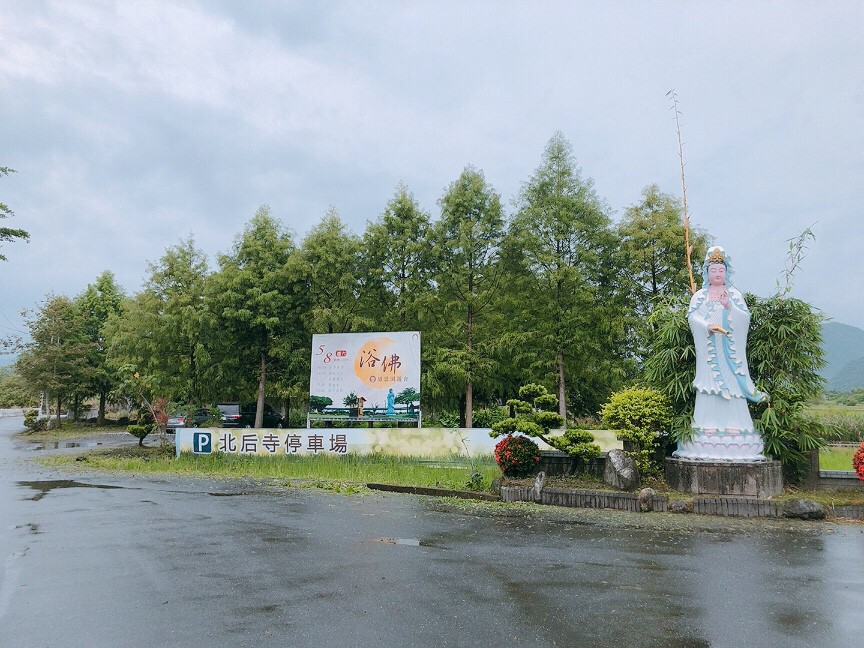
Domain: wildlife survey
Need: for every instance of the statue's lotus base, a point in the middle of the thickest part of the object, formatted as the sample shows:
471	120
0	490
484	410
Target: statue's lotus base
753	479
722	446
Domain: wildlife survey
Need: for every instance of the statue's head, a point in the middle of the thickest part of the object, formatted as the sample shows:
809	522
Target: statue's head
716	269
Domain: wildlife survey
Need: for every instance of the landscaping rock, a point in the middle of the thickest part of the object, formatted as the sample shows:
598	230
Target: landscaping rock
539	483
646	499
621	471
496	486
803	509
680	506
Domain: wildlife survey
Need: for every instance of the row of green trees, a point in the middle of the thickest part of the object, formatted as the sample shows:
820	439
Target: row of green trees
555	293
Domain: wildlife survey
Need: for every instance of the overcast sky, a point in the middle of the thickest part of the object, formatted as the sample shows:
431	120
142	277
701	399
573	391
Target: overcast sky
133	124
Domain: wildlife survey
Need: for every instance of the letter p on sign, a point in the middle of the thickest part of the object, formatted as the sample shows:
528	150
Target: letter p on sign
202	443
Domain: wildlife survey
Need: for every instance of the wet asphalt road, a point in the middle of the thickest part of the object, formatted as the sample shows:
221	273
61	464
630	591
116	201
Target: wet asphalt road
113	560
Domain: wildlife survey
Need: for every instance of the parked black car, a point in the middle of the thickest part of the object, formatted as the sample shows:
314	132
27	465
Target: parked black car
230	414
272	418
235	415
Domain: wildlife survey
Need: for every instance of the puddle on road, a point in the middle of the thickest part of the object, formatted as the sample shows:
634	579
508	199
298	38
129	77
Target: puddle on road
30	526
45	487
408	542
66	444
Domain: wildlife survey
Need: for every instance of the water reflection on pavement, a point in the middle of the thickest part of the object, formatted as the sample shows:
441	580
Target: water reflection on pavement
107	560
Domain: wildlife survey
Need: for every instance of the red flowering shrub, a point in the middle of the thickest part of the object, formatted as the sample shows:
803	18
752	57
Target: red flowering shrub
517	456
857	461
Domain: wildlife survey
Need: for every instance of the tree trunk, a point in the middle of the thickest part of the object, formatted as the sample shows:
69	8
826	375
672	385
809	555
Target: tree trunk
562	402
59	402
193	378
102	399
259	411
469	386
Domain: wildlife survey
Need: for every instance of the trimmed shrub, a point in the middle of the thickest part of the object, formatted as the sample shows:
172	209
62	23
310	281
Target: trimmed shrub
33	422
140	432
643	417
517	456
577	443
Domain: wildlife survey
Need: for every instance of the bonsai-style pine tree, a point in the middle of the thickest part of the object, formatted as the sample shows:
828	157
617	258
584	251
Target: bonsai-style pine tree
535	416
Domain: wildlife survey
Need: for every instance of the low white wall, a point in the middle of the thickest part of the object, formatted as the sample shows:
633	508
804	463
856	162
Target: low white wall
418	442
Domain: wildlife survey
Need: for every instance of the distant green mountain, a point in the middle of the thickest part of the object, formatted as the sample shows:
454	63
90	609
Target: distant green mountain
844	352
850	376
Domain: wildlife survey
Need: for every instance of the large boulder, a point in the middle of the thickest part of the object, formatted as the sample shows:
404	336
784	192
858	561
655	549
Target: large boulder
621	471
680	506
646	499
803	509
539	483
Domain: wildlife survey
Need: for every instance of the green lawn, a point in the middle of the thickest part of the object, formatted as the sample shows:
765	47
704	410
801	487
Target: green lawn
836	458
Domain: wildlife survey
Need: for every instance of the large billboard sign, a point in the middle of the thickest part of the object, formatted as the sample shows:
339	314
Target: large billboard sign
376	374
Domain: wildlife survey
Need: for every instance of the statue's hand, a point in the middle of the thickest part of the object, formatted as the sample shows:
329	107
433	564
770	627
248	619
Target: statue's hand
716	328
724	299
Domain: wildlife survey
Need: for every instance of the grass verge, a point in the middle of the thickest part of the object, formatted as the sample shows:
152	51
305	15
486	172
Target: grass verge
358	469
69	431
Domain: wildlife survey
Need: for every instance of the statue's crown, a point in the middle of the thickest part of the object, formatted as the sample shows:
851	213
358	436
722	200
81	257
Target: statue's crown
716	256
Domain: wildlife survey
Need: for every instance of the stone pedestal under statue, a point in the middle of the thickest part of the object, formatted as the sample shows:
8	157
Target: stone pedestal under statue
750	479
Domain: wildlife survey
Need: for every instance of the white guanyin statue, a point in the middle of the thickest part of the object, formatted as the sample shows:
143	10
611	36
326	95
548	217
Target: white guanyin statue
719	319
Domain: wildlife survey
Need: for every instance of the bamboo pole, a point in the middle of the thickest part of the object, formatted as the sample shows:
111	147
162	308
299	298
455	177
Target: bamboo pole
688	248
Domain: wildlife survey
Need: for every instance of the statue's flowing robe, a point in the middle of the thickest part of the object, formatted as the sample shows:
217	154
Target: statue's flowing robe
722	426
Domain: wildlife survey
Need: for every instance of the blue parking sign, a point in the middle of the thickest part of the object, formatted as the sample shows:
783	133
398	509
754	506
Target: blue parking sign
202	443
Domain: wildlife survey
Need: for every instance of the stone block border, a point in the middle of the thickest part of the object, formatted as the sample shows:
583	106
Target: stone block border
854	512
580	498
722	505
737	507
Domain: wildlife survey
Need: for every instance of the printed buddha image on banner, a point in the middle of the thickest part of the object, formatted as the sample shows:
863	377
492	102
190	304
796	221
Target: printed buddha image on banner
377	369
